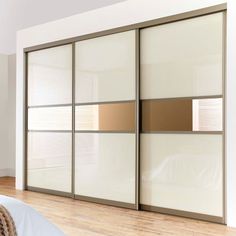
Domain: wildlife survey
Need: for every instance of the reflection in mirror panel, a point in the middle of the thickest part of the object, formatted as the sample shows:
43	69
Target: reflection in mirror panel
106	117
182	115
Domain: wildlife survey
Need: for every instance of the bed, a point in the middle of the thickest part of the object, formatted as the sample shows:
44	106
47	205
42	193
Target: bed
19	217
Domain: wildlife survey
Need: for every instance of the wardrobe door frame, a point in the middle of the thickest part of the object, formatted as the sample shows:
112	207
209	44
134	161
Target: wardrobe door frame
27	107
135	132
137	27
188	214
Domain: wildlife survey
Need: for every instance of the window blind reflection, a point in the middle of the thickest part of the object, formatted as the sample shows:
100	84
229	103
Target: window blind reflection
207	114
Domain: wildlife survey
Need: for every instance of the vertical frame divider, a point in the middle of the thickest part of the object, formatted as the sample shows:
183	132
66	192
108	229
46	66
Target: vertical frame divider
73	124
26	121
137	115
224	81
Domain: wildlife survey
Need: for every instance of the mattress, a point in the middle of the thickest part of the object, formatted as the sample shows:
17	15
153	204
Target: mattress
28	221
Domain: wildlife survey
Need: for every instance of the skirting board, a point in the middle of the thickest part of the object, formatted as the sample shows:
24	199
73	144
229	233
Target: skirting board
7	172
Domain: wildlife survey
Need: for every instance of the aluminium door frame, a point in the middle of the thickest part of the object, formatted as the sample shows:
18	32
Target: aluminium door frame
137	27
116	203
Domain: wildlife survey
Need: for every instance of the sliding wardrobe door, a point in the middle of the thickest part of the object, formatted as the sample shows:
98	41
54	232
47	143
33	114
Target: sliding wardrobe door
105	119
49	141
182	135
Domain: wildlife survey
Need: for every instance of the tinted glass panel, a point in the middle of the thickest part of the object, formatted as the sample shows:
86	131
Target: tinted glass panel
167	115
106	117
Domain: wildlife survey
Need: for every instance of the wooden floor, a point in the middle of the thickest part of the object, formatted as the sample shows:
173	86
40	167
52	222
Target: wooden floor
77	218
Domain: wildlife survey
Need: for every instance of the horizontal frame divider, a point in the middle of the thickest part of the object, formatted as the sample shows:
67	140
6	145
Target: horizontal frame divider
105	131
45	168
106	202
104	102
48	191
175	98
80	131
182	132
49	131
187	214
125	101
51	105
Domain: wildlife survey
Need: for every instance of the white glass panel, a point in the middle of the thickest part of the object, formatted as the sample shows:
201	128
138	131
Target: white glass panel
182	172
207	114
49	161
105	166
183	58
105	68
50	118
50	76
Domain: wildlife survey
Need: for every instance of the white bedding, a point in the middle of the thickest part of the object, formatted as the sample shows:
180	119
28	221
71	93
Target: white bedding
27	220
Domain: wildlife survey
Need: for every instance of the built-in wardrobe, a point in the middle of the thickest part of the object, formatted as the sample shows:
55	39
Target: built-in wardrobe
132	117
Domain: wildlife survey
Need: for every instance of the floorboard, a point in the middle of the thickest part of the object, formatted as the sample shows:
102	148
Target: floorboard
88	219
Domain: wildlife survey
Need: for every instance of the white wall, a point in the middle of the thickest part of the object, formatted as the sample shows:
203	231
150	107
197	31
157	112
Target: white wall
16	15
7	116
125	13
3	115
11	113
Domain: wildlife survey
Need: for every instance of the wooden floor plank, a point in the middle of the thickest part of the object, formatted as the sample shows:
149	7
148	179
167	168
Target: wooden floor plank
88	219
